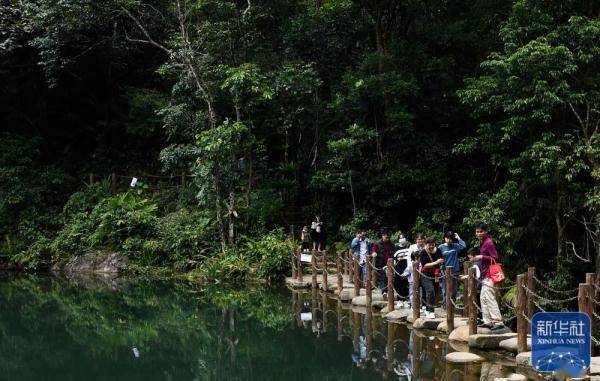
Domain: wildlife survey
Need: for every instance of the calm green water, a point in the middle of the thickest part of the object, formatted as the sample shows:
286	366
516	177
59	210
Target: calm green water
57	329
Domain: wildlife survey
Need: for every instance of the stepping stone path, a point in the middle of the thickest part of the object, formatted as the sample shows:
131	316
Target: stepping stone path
427	323
511	344
458	322
362	300
398	315
524	359
512	377
347	294
462	333
489	341
463	357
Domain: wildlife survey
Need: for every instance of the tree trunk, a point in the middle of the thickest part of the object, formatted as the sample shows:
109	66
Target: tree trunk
230	216
351	189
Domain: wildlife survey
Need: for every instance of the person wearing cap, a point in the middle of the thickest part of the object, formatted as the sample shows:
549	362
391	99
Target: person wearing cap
401	262
451	249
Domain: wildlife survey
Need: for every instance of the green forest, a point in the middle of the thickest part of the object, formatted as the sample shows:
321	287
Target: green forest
241	118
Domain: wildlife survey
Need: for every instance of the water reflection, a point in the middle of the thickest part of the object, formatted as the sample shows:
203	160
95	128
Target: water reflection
57	329
391	350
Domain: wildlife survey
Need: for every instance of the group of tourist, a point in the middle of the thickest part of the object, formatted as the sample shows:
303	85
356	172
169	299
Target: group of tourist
432	260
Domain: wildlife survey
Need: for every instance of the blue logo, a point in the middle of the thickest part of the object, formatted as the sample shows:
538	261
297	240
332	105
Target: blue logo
560	341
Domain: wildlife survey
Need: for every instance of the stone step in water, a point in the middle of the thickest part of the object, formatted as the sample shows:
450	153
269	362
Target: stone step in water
458	322
463	357
398	315
427	323
462	333
489	340
511	345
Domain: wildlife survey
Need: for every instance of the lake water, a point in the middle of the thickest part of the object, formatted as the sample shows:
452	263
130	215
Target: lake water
135	329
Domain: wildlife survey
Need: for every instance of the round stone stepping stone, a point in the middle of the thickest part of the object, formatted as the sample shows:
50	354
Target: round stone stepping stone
489	341
512	377
362	300
458	322
397	315
511	344
462	333
427	323
524	359
463	357
346	294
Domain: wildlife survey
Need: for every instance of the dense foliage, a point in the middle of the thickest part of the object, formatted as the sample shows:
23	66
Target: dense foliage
421	116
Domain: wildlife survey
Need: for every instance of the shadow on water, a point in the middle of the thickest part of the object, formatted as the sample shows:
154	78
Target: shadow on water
138	329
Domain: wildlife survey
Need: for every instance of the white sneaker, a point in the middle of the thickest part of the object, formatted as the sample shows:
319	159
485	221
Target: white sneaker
423	308
431	315
399	305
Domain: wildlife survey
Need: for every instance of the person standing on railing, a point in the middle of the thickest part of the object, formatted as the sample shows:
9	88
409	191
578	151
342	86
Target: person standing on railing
382	251
361	249
317	234
451	249
430	259
492	318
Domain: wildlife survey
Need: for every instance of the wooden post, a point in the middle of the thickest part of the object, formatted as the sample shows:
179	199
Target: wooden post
368	285
531	287
582	299
346	264
390	284
350	271
183	180
416	302
324	284
449	305
472	300
299	258
522	302
313	262
340	276
356	277
91	177
293	264
467	307
113	183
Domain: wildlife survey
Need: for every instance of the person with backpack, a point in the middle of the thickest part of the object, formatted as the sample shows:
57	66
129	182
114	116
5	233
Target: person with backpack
492	318
382	251
451	249
430	259
361	250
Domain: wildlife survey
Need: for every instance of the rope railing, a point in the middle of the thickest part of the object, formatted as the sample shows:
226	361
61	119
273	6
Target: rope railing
547	300
545	286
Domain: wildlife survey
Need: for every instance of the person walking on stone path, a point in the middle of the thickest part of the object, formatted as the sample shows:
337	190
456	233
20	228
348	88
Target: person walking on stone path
492	318
430	259
361	249
452	247
408	275
401	262
382	251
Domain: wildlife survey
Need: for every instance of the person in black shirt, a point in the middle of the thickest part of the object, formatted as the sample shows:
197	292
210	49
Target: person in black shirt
430	259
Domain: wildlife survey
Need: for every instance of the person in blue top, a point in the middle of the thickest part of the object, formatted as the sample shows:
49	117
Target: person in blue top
361	249
452	247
